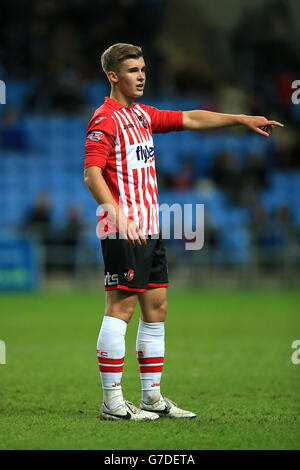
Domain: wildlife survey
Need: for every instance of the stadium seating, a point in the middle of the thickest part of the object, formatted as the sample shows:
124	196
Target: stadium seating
55	165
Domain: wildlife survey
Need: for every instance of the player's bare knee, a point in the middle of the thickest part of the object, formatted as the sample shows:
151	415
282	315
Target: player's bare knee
124	315
162	311
120	305
158	312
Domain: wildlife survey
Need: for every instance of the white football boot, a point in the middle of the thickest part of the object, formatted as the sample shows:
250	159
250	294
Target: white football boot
167	408
126	411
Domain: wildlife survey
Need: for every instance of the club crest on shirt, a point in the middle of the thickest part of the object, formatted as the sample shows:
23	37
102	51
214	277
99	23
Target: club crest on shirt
143	121
96	135
129	275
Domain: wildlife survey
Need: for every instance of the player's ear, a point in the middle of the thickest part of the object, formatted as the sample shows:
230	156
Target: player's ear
113	77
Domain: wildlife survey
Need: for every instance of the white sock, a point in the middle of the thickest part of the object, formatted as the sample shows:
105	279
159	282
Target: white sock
111	354
150	350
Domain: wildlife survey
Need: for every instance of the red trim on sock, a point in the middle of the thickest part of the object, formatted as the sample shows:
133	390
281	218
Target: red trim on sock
106	360
146	369
110	369
131	289
150	360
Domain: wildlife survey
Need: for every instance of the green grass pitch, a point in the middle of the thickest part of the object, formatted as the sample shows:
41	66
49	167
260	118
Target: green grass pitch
228	358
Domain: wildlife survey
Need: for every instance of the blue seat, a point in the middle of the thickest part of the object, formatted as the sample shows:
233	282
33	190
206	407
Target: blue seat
294	187
95	92
17	92
279	180
236	245
273	199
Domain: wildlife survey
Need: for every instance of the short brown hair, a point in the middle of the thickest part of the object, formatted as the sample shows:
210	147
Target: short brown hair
113	56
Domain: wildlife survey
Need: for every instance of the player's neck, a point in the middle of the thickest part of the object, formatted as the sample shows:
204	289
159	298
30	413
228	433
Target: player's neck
122	99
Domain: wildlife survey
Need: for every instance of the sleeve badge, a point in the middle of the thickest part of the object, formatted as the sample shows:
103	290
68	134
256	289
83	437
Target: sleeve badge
96	135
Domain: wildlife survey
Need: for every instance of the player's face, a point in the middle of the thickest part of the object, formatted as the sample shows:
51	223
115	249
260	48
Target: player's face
132	77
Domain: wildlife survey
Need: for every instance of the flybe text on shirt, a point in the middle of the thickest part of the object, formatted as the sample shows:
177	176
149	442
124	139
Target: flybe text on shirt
143	152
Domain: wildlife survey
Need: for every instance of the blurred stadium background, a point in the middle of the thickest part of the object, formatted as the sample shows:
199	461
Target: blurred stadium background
224	56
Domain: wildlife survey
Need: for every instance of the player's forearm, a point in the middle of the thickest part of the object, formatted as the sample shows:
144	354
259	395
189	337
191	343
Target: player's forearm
202	120
100	191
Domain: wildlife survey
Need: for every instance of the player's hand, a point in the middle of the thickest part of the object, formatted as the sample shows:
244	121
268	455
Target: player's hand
260	124
131	232
135	235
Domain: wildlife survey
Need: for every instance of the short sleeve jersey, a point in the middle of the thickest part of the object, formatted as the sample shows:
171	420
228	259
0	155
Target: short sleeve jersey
119	140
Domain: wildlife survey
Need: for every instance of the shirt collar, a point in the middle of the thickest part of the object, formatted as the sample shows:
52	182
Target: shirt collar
115	104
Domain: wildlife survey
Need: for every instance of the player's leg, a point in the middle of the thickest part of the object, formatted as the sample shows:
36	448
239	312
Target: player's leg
111	344
122	283
111	356
150	343
150	348
120	304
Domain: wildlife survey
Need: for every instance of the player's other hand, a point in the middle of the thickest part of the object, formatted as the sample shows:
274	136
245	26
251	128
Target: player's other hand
131	232
260	124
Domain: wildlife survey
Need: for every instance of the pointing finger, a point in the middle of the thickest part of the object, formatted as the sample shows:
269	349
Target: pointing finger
275	123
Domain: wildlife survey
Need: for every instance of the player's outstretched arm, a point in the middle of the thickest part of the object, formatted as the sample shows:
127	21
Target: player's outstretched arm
204	120
100	191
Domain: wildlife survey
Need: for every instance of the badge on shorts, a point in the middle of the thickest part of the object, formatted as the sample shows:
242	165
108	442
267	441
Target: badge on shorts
129	275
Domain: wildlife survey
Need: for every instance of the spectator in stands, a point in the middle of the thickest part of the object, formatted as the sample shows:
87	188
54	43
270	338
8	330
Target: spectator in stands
286	225
226	174
67	93
187	176
13	135
38	221
70	237
272	235
253	179
211	232
295	154
265	243
38	225
61	95
255	171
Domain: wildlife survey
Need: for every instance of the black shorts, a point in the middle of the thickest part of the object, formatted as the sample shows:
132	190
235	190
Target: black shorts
134	268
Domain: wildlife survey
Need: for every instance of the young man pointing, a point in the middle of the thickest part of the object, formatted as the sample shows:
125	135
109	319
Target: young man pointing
120	174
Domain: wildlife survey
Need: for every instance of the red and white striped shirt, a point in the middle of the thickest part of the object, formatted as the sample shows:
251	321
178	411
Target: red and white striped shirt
119	140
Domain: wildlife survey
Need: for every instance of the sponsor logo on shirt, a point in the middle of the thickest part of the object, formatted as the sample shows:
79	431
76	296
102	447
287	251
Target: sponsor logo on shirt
96	135
145	153
128	126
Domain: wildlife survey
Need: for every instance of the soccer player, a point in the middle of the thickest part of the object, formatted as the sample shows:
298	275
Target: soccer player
120	174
